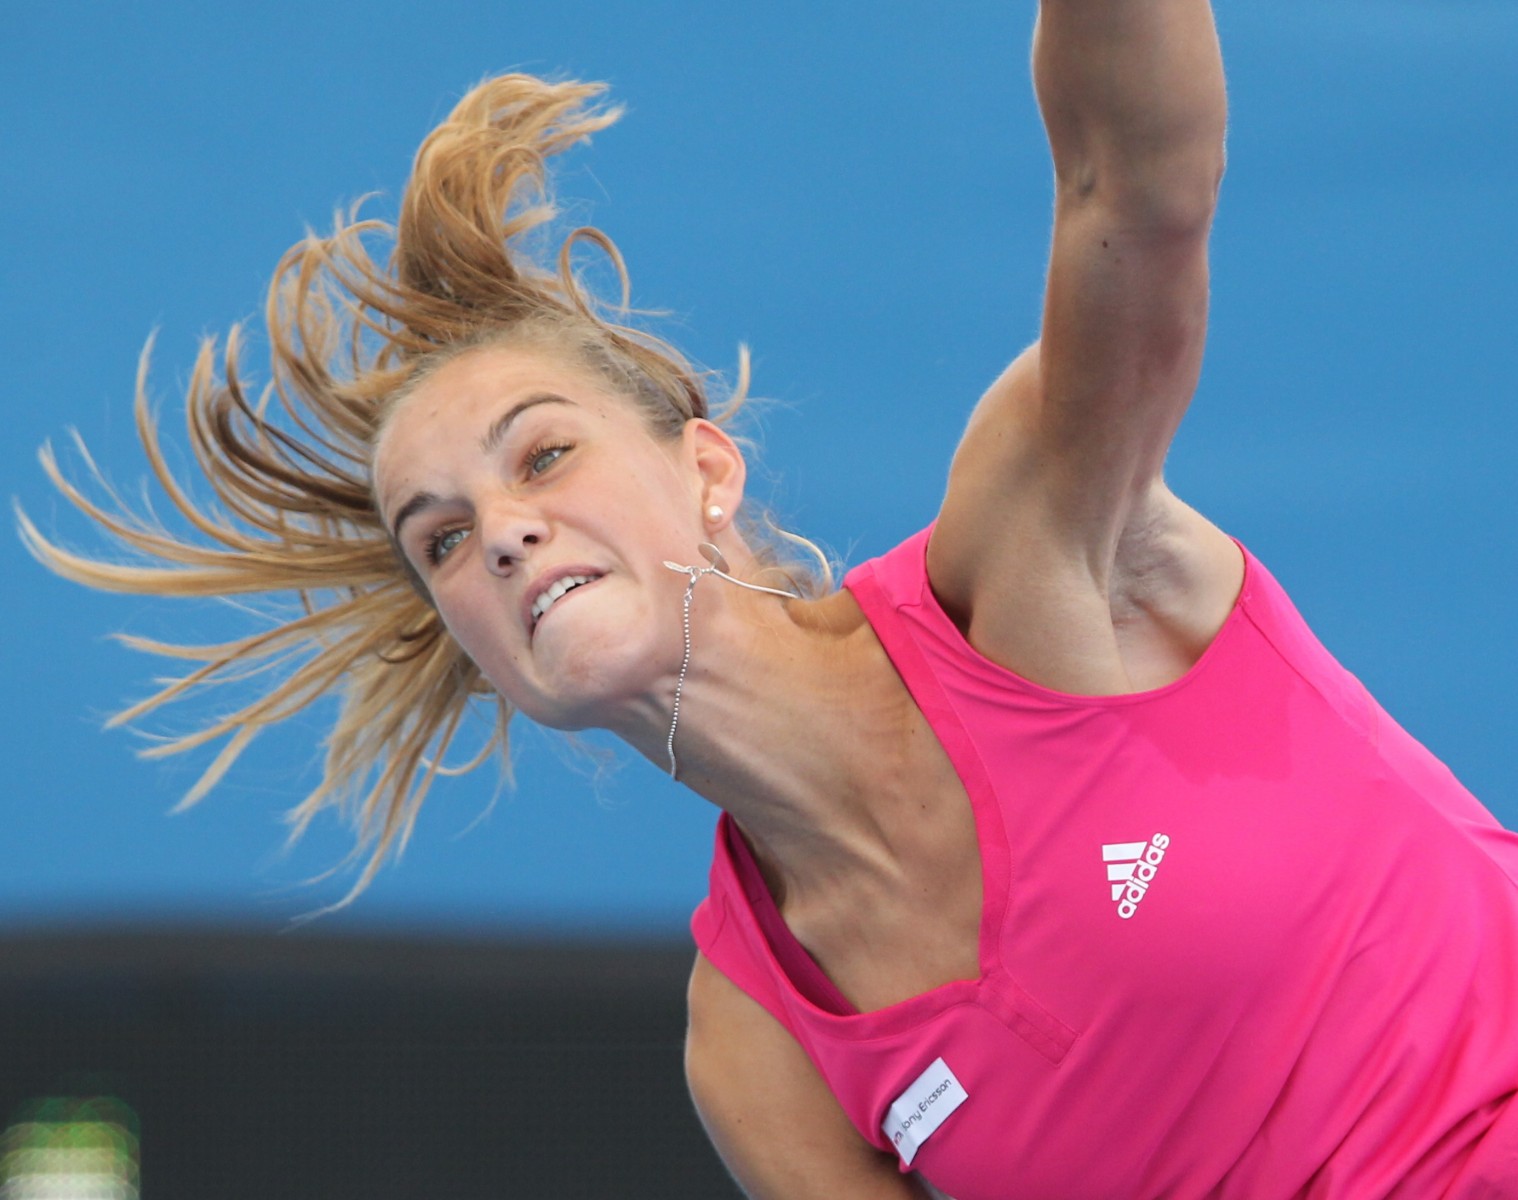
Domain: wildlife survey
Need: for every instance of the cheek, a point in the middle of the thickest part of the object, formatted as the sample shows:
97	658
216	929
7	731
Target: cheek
480	629
654	517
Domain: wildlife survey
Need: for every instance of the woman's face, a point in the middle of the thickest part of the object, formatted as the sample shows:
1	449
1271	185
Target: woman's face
538	510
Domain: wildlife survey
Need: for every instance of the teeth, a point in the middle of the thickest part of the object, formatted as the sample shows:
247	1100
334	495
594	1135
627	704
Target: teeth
556	589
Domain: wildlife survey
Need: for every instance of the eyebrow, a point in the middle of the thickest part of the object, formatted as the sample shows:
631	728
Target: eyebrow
488	445
408	510
498	428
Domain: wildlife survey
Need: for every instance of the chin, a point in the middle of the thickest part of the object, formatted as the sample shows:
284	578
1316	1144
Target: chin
594	682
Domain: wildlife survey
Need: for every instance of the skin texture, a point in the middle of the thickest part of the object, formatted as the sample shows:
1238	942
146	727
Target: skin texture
1059	551
572	482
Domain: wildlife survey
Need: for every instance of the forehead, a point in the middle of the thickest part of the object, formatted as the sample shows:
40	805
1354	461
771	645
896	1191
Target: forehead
479	381
454	406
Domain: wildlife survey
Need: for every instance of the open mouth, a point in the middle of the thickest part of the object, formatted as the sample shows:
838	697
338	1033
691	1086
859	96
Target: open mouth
554	591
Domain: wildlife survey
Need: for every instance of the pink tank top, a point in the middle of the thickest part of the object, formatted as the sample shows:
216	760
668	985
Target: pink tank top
1242	937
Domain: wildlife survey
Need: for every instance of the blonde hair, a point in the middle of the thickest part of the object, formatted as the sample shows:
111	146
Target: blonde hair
290	467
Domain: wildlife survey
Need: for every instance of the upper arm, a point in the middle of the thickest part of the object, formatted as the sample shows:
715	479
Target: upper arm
1134	103
1071	439
768	1112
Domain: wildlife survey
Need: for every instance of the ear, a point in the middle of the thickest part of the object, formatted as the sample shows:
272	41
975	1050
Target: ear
720	468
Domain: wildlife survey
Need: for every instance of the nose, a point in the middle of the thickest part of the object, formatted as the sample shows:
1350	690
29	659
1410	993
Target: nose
508	532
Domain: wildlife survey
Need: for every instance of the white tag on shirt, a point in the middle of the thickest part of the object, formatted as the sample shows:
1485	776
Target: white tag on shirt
918	1112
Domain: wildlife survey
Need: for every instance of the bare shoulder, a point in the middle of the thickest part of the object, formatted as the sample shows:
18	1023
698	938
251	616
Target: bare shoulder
766	1109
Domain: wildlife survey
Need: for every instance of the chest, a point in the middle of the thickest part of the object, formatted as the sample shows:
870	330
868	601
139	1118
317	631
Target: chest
914	920
1168	946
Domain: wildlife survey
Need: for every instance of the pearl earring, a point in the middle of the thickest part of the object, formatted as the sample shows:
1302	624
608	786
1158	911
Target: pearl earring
714	513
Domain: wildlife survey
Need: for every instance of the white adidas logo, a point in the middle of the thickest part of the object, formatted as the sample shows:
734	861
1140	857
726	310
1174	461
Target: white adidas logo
1131	868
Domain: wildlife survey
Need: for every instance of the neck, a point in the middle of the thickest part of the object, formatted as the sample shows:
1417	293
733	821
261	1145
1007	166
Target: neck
717	568
785	724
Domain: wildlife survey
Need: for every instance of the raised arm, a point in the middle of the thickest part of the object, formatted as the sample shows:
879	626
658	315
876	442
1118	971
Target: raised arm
1065	450
1133	101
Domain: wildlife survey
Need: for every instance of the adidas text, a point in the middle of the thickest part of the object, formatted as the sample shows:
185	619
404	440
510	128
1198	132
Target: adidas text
1131	868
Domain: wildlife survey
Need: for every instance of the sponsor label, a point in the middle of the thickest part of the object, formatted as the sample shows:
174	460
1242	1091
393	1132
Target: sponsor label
922	1108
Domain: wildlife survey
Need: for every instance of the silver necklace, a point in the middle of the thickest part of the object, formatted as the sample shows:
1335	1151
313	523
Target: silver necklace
717	565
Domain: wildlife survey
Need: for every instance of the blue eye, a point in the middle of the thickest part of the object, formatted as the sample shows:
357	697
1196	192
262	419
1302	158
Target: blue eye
441	543
540	458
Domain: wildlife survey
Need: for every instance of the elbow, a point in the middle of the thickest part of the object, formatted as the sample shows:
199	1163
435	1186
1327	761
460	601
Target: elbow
1176	188
1198	199
1171	195
1181	202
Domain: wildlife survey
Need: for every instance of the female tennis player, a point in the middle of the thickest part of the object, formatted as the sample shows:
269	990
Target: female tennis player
1057	859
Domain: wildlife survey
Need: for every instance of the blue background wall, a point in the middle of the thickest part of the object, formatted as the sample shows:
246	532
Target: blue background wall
862	193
